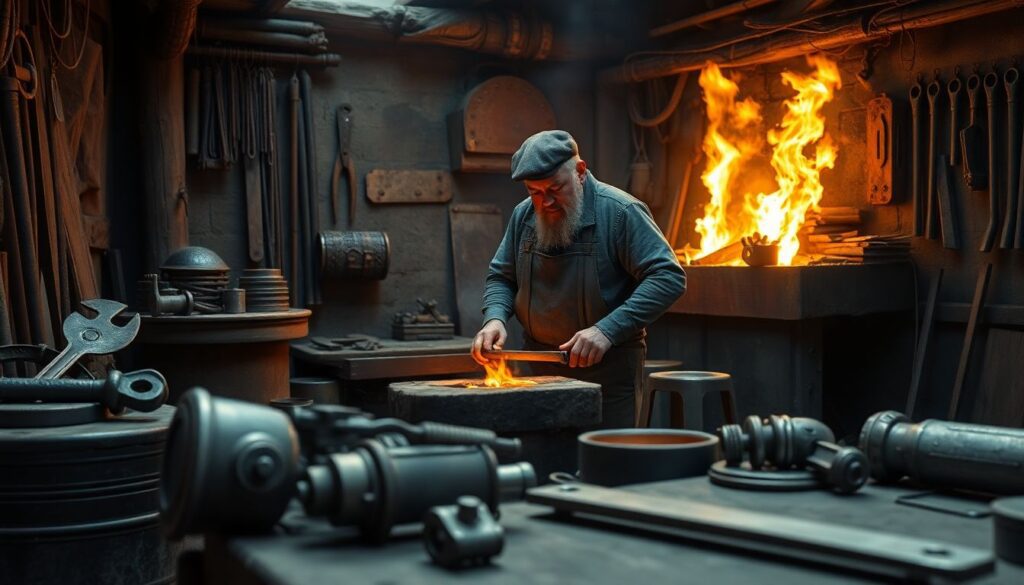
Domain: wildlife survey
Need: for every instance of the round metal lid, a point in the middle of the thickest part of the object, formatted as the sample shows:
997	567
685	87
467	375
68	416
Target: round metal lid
194	258
743	477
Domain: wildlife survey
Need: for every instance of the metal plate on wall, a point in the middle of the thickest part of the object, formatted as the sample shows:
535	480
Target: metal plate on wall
391	186
883	150
502	112
476	231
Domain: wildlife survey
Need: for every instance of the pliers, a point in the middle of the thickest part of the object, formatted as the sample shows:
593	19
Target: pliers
344	164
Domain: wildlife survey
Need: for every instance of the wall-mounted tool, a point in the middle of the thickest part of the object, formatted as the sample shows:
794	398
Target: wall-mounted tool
786	443
944	454
990	83
387	186
343	164
972	140
916	191
931	226
462	535
883	152
97	335
1013	150
947	207
955	88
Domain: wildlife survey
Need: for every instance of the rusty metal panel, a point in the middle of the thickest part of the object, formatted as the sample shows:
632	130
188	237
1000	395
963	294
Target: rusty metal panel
387	186
883	151
476	231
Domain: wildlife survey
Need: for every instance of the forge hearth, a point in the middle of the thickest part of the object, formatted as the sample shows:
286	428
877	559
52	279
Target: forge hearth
546	416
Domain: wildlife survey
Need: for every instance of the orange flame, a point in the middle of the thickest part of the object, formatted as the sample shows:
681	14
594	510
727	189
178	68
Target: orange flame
780	214
500	376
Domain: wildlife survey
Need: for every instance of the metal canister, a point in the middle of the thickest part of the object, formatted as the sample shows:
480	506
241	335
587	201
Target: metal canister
351	256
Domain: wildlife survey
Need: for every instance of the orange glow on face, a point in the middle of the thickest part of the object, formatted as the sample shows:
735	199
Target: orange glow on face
779	215
500	376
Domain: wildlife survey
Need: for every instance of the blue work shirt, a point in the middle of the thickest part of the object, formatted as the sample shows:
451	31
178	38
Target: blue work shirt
638	273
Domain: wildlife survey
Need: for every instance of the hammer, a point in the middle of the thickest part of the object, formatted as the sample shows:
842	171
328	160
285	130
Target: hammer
558	357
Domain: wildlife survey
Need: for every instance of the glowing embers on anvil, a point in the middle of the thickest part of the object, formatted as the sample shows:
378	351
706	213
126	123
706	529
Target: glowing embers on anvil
800	150
499	375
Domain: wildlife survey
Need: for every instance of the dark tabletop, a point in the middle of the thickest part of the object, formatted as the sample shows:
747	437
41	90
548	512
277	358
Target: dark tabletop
542	548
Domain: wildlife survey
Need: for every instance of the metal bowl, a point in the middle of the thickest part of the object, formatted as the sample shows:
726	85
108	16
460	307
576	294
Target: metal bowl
625	456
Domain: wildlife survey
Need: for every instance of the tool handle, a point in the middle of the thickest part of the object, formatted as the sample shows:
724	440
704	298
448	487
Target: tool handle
558	357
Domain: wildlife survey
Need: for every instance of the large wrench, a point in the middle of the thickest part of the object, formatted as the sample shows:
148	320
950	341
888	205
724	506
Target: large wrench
96	336
144	390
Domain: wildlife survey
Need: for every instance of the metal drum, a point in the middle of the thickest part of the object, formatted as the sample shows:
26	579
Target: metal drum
348	256
79	504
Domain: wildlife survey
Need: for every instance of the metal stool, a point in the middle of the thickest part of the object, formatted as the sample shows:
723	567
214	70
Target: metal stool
692	387
650	367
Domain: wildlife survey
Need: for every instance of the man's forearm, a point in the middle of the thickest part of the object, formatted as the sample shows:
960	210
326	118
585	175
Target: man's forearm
499	298
651	298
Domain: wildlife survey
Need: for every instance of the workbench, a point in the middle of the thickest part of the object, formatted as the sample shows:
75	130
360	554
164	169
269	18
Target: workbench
393	360
542	547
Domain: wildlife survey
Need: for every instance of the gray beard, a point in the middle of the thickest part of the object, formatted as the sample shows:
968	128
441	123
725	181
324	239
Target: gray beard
562	232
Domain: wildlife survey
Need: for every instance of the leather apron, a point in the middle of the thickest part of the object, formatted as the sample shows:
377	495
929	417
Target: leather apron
558	295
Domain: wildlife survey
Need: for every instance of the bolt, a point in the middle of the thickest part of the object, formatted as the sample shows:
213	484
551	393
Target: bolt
90	335
264	466
468	509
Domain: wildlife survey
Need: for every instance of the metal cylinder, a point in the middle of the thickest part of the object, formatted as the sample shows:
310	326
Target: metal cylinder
70	515
346	256
233	300
377	488
229	466
944	454
319	390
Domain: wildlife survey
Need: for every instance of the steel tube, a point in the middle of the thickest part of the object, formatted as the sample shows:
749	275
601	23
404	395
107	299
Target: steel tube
324	60
709	16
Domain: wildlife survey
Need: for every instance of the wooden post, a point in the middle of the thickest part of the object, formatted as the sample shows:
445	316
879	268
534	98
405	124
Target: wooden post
163	151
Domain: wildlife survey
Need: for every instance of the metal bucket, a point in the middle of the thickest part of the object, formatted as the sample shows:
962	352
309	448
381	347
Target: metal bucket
348	256
625	456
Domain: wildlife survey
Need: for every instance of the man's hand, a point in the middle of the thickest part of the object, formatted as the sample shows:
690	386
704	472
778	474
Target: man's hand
586	348
490	338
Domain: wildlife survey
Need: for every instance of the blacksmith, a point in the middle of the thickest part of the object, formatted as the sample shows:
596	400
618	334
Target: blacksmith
584	268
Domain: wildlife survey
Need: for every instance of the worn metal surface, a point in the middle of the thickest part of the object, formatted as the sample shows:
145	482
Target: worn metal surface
543	548
476	231
792	538
394	186
97	335
354	256
883	150
143	390
796	292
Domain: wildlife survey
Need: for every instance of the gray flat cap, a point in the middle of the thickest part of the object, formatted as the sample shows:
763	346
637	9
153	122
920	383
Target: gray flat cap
541	154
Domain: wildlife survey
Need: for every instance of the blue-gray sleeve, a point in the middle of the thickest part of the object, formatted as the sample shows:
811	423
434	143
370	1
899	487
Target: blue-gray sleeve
500	288
645	254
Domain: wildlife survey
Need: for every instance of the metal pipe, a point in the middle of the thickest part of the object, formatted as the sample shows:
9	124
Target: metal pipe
325	60
847	31
1013	148
709	16
315	43
312	193
293	217
990	82
295	27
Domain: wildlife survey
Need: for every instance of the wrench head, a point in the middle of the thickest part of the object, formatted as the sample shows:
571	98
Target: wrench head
99	334
143	390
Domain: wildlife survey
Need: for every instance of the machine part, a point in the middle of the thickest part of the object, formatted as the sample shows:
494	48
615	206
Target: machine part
916	92
92	336
944	454
947	504
74	500
787	443
557	357
990	82
428	323
144	390
266	290
329	428
293	59
892	555
462	535
1013	154
881	152
347	256
377	488
479	137
955	88
213	33
931	224
229	466
192	259
977	303
972	140
15	358
319	390
770	480
947	210
1009	529
626	456
343	165
161	304
233	300
288	405
388	186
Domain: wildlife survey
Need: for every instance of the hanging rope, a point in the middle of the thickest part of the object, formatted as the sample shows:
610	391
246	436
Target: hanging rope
673	102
